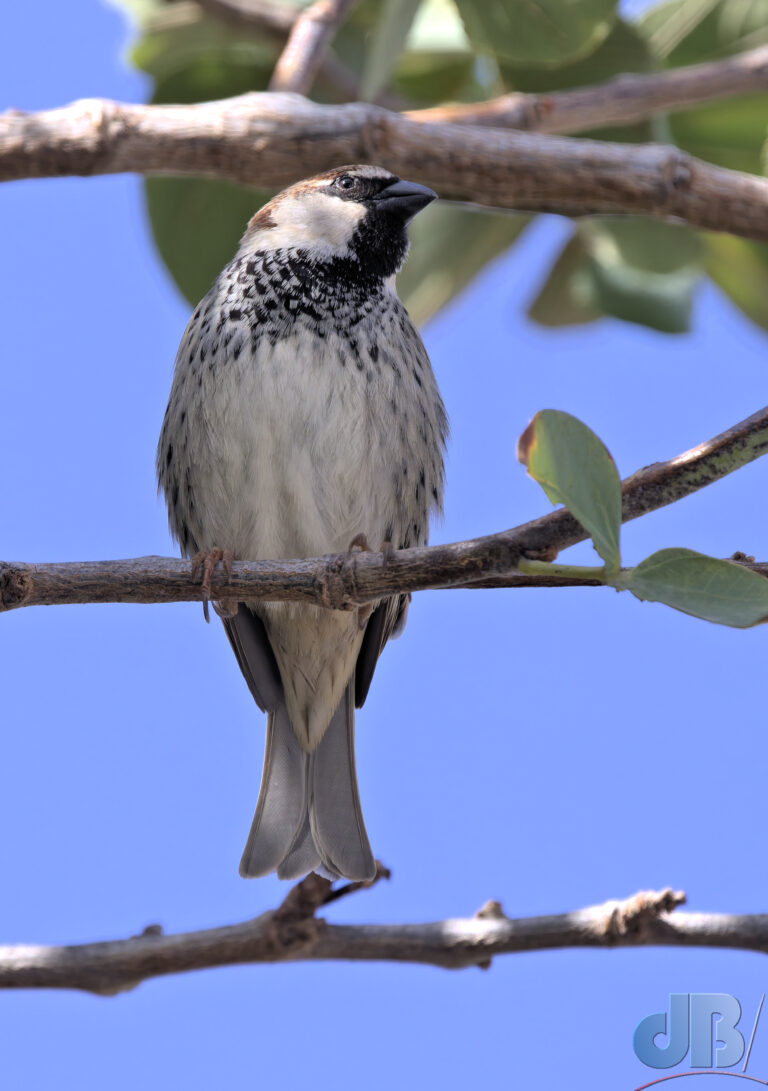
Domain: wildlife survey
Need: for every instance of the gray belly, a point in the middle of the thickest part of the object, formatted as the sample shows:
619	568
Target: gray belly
295	449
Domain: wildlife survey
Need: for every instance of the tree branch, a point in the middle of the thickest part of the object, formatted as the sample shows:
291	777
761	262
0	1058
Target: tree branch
345	581
269	140
620	101
275	21
294	933
310	36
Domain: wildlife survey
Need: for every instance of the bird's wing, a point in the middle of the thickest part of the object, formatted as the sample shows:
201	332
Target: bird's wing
386	621
250	643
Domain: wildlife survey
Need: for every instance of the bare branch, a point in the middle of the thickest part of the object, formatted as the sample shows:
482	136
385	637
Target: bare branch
274	21
293	933
304	51
346	581
337	582
620	101
270	140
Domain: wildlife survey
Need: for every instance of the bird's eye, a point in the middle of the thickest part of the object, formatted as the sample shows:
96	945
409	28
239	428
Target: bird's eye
345	182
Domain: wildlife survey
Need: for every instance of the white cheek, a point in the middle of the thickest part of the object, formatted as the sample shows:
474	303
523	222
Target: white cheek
324	224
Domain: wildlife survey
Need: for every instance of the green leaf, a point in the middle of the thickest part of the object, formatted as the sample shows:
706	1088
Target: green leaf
715	590
537	32
449	245
643	270
681	32
173	36
730	134
567	297
740	268
688	31
638	270
574	467
196	225
386	45
429	78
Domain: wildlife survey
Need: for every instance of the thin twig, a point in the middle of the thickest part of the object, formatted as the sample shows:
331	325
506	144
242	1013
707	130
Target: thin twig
292	933
346	581
272	139
621	101
310	36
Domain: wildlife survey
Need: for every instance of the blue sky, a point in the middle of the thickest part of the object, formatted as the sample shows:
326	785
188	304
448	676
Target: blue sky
551	749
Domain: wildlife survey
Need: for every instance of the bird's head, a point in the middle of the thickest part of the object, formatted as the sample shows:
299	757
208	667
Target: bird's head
353	212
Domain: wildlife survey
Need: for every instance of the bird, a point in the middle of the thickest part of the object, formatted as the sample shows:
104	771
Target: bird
304	419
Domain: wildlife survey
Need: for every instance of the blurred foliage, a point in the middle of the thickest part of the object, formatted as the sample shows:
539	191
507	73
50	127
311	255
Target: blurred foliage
386	44
547	32
624	49
740	268
432	276
428	52
640	270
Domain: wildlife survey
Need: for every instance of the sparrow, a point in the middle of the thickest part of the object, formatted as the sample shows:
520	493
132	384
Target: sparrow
304	416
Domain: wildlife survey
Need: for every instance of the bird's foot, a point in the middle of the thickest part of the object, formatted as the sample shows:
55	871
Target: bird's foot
206	563
363	612
359	542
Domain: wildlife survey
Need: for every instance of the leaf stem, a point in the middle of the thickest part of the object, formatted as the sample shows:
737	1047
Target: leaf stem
565	571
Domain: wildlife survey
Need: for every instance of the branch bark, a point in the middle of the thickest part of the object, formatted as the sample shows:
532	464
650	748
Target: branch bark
310	36
270	140
294	933
620	101
346	581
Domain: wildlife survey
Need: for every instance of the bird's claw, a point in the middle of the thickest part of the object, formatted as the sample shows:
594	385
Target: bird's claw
206	562
359	542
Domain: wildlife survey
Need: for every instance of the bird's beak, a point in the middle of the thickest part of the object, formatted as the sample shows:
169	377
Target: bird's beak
405	199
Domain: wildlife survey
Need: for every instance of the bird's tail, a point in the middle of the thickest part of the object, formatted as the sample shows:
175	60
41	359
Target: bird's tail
308	815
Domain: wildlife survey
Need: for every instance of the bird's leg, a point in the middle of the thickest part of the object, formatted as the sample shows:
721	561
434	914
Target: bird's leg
360	542
206	563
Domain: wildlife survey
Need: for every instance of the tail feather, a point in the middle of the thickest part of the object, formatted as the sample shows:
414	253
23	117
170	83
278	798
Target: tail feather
308	816
303	857
335	815
282	804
